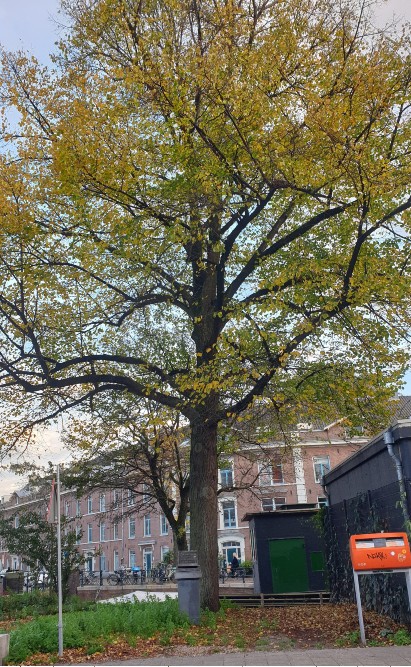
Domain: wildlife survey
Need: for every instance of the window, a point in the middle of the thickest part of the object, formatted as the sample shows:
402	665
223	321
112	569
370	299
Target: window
322	501
78	534
147	525
131	500
226	476
229	515
146	495
67	508
321	467
271	472
16	521
116	560
163	525
89	505
131	527
132	558
102	532
90	532
270	504
116	498
102	502
164	550
103	562
115	530
78	507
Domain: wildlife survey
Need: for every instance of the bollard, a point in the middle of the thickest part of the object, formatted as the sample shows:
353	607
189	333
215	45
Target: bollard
4	647
188	575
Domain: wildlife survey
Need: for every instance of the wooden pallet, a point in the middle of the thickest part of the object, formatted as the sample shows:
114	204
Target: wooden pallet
277	599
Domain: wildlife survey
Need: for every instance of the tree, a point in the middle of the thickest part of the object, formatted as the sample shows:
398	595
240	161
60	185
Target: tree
139	451
35	540
205	205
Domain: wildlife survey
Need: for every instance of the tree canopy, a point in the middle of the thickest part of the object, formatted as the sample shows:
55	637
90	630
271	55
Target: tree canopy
35	540
206	204
136	451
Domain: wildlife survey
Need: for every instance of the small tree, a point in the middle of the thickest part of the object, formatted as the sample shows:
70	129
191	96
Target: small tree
136	449
35	540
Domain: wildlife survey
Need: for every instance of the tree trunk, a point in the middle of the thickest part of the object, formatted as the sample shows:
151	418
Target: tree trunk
179	540
203	507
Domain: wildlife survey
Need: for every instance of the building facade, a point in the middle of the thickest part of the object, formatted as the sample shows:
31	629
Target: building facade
110	532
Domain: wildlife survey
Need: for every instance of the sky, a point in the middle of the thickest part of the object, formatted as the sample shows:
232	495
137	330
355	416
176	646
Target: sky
35	26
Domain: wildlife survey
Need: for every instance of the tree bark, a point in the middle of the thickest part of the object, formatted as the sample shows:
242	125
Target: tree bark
180	541
203	505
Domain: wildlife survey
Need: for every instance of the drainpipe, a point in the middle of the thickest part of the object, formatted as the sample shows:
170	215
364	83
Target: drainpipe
389	441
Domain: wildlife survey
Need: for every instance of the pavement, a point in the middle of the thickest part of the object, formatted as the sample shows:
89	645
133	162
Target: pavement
382	655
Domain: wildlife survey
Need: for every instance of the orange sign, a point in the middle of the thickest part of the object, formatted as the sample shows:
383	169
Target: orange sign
380	551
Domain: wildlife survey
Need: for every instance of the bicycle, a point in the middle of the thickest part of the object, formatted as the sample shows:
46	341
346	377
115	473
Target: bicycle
118	577
89	578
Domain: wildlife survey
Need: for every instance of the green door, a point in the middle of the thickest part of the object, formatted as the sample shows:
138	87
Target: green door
288	565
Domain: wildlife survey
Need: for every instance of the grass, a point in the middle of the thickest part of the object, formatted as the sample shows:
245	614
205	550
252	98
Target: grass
37	603
87	628
147	629
349	639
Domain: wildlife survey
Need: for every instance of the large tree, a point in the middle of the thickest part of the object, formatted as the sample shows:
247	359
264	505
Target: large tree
206	203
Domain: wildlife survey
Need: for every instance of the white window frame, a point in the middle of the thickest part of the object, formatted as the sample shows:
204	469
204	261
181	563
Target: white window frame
266	474
132	528
163	525
89	532
225	501
78	507
115	531
275	501
227	468
321	461
102	532
147	525
102	502
89	504
132	557
131	498
163	551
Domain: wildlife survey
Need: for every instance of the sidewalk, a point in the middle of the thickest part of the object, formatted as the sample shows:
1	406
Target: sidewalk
384	655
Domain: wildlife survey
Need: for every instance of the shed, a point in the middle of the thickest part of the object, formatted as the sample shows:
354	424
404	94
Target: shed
368	493
288	550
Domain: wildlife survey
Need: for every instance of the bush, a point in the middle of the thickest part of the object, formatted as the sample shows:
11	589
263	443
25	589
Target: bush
36	603
84	628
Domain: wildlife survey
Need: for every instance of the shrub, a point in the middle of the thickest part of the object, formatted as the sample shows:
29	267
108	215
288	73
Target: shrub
36	603
84	628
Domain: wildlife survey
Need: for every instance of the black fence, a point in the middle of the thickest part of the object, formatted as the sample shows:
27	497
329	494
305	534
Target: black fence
370	512
128	577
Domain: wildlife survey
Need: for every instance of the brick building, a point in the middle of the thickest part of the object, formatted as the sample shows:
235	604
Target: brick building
278	477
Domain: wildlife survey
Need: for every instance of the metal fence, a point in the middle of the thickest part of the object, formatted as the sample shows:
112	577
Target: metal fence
371	512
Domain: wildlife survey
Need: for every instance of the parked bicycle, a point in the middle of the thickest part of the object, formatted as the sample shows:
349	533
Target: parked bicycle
119	578
162	574
89	578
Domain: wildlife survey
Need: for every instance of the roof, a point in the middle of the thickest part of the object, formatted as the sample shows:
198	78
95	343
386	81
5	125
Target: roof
302	509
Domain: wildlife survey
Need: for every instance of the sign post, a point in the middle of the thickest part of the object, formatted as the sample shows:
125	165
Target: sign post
379	553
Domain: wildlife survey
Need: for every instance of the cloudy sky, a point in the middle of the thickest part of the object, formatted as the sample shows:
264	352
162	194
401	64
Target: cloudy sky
33	25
